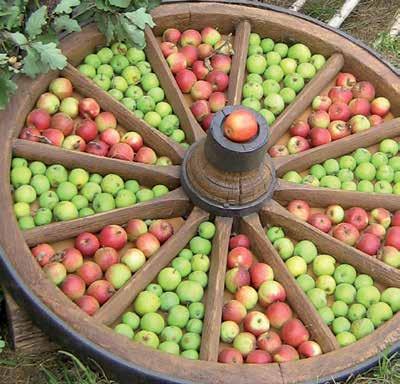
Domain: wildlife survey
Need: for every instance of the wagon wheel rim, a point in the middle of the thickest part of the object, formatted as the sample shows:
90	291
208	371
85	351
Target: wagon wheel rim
252	224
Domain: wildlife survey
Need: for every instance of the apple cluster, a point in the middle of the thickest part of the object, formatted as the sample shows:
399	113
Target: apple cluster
350	303
125	74
362	171
90	271
276	73
349	107
200	62
258	323
376	233
43	194
66	121
168	315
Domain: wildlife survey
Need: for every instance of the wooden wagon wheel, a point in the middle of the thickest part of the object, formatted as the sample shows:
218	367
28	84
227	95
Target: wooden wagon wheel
91	336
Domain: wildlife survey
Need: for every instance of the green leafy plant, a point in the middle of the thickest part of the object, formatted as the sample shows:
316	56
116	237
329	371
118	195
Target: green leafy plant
29	34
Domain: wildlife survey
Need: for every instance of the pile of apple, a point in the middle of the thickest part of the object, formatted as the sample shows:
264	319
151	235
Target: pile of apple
350	107
125	74
168	314
257	322
350	303
63	120
200	62
362	171
99	264
276	73
376	233
43	194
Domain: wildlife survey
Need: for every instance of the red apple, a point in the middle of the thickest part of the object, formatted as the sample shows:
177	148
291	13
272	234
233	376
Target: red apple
396	219
89	272
381	216
347	233
110	136
97	147
73	286
294	333
220	62
278	314
39	118
339	111
300	128
52	136
172	35
368	243
217	101
235	278
233	310
135	228
121	151
380	106
321	103
191	54
201	90
190	37
256	323
240	257
218	80
347	80
300	209
61	87
133	139
185	80
278	150
43	253
259	273
285	354
239	241
258	357
87	244
356	216
88	304
204	51
377	230
319	119
338	129
206	123
270	292
72	259
309	349
320	136
230	356
105	257
146	155
297	144
364	89
359	106
89	108
200	109
393	237
101	290
30	133
62	122
162	229
148	244
105	120
167	48
240	126
87	129
340	94
177	62
375	120
320	221
269	341
113	236
200	70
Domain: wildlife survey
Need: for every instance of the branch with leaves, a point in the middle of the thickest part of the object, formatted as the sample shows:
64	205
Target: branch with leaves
29	36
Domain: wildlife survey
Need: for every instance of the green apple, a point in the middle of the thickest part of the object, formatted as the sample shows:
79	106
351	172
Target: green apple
145	104
190	341
21	209
368	296
206	230
134	92
365	171
394	162
347	162
293	177
306	70
153	287
129	103
282	49
274	233
169	124
330	181
317	297
383	187
324	265
363	281
269	116
365	186
294	81
345	175
103	202
116	94
171	333
318	61
254	39
356	312
119	63
326	283
252	103
112	184
147	338
131	319
285	247
345	292
345	338
288	65
124	330
25	194
361	328
144	194
273	58
318	171
37	168
340	324
48	200
93	60
131	75
178	316
65	210
362	155
19	162
80	201
345	273
66	191
103	81
327	315
169	347
26	222
159	190
310	180
396	188
79	177
105	54
186	254
299	52
254	77
168	300
125	198
253	89
157	94
287	94
297	266
340	308
149	81
199	277
331	167
40	183
274	72
84	212
87	70
349	186
169	278
189	291
135	55
378	159
267	45
56	174
200	245
307	250
385	172
190	354
90	190
177	135
306	282
94	177
163	109
389	146
144	67
20	176
256	64
146	302
196	310
43	216
153	322
391	296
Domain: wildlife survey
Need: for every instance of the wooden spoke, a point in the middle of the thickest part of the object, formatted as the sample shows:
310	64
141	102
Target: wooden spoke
324	76
381	272
189	124
238	70
322	197
173	204
110	311
147	175
303	160
215	290
152	137
320	332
